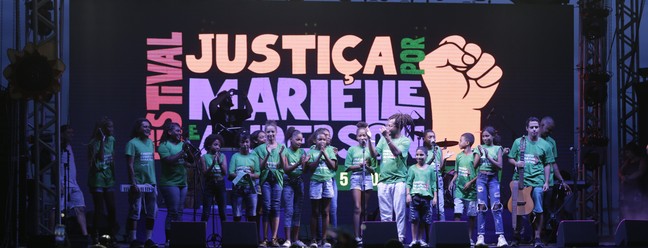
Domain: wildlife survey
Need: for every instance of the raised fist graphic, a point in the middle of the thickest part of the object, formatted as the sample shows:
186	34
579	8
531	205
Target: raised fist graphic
460	79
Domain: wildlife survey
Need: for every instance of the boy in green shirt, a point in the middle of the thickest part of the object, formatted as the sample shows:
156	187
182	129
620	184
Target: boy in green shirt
463	182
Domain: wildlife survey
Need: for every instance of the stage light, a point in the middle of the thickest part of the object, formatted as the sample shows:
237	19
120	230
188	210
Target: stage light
596	87
594	19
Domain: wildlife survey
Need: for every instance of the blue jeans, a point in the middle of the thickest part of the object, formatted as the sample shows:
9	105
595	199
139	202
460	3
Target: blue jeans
241	195
334	205
488	186
174	197
214	189
271	199
293	198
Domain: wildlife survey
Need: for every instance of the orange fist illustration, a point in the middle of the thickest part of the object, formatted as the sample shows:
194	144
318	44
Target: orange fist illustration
460	79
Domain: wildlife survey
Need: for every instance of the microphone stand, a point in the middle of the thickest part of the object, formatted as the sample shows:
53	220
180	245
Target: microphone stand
439	180
362	185
66	179
194	153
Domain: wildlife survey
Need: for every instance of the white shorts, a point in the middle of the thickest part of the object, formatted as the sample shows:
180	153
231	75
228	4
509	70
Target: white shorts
75	198
319	190
459	206
356	181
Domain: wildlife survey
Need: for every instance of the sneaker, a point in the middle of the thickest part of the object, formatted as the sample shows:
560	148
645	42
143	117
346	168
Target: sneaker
472	243
263	243
480	241
313	244
423	244
414	242
135	244
515	243
274	243
299	243
358	240
150	244
326	244
501	241
286	244
538	244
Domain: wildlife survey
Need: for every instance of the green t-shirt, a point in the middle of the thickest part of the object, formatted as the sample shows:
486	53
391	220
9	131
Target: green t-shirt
485	164
322	172
242	163
554	150
421	181
355	157
393	169
294	157
214	170
143	160
101	170
173	173
537	155
273	164
465	169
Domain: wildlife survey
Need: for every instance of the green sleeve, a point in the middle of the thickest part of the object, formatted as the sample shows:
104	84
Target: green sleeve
348	161
379	146
130	149
403	146
232	164
164	150
410	178
515	150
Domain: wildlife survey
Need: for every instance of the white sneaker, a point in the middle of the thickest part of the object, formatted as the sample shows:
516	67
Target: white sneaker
286	244
472	243
358	240
423	244
501	241
314	244
299	243
480	241
326	244
413	243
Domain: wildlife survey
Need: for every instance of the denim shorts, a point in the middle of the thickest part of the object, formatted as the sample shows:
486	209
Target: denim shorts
319	190
356	181
471	205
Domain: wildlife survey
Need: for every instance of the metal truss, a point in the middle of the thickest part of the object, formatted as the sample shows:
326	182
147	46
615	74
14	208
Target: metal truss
592	93
627	37
39	188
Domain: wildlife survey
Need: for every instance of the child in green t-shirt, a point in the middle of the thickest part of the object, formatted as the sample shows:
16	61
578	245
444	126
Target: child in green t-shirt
421	192
243	171
463	182
214	166
293	190
323	164
101	179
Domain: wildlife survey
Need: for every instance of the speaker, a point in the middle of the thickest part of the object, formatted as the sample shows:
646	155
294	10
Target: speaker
449	234
632	233
188	234
378	233
573	233
240	234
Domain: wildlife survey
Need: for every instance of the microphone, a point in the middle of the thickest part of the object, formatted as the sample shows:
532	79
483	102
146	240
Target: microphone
490	113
